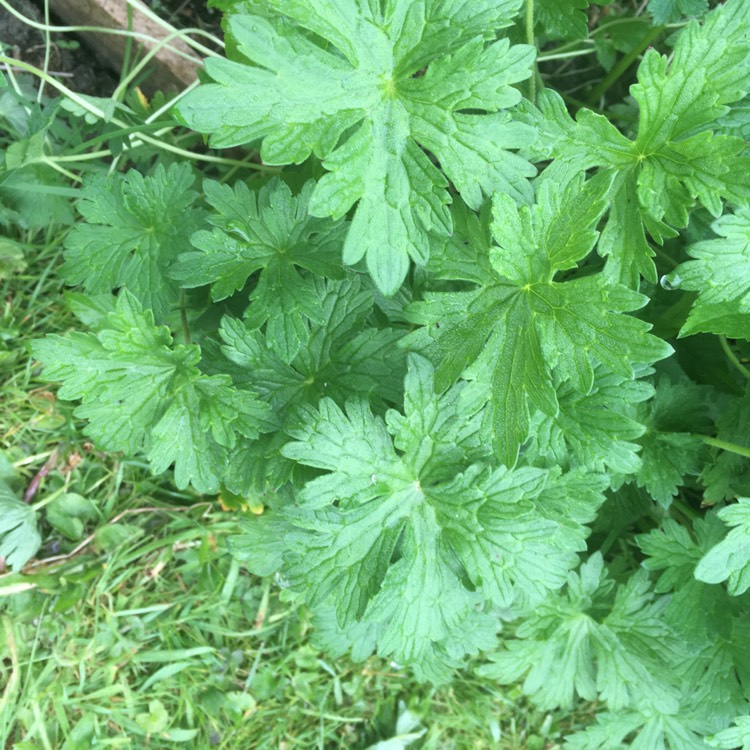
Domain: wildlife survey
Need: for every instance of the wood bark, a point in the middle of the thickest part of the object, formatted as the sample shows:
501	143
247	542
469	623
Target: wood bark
170	71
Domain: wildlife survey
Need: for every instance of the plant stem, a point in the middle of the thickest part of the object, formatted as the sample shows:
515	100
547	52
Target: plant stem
724	445
184	318
230	582
65	172
124	32
141	137
531	41
685	509
128	52
185	33
171	102
617	72
126	78
732	357
565	55
157	19
47	48
10	61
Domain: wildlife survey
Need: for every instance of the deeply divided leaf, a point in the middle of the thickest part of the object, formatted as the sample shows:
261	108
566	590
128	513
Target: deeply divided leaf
374	90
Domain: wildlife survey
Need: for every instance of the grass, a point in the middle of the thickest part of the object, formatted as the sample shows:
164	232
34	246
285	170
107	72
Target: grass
141	631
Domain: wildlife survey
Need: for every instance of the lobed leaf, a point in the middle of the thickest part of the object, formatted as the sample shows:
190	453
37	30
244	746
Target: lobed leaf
373	90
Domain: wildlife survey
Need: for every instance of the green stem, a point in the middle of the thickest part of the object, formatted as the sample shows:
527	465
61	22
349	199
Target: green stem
119	133
738	450
12	62
47	48
128	48
159	21
732	357
119	92
565	55
75	157
169	104
185	34
184	318
531	41
230	582
618	71
141	138
49	498
65	172
568	46
685	509
8	70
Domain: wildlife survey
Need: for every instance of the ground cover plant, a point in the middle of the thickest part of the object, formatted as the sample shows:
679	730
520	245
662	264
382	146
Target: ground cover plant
451	310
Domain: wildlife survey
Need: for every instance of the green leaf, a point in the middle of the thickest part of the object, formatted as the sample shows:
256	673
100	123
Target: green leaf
270	232
19	537
729	560
588	643
359	640
596	430
141	394
711	628
671	549
26	151
671	451
261	544
651	729
408	730
735	737
69	513
677	157
720	273
7	471
134	227
404	518
669	11
12	259
33	198
371	89
156	720
343	356
563	19
92	310
736	121
521	324
112	536
728	475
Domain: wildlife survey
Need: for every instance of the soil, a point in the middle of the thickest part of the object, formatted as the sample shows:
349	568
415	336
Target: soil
188	14
70	61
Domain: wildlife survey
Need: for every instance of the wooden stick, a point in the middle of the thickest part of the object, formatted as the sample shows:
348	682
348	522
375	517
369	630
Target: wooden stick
171	71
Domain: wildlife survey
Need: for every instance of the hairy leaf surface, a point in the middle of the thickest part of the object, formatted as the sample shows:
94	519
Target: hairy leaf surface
134	228
372	89
677	158
141	394
521	324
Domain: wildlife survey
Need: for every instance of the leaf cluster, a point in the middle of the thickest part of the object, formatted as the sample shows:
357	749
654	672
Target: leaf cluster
479	362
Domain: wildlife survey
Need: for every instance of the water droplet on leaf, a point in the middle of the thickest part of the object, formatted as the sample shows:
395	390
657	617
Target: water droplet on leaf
670	282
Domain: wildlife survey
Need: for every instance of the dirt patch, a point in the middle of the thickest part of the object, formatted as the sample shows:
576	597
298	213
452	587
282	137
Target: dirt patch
188	14
70	62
